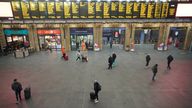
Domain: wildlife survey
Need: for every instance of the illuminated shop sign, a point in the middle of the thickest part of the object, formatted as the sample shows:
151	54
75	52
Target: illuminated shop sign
46	32
9	32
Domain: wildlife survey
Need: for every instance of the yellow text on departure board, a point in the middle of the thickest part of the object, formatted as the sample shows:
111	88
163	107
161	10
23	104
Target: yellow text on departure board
59	6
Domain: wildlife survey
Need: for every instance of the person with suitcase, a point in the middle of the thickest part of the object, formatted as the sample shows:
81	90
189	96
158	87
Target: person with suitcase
17	88
97	88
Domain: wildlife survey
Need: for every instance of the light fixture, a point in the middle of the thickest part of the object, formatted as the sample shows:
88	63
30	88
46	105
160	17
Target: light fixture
108	0
89	0
67	0
78	0
98	0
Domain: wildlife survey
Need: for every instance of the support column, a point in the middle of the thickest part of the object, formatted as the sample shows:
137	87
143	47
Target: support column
188	38
35	38
97	35
31	38
128	33
67	38
100	36
62	36
2	36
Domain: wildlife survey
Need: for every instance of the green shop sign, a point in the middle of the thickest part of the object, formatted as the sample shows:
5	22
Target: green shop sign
9	32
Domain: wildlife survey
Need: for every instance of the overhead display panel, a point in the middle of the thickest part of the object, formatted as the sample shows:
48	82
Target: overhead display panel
164	11
34	10
143	10
51	9
16	9
75	9
183	10
151	10
99	10
83	9
129	10
67	10
59	10
91	9
172	9
136	9
114	9
106	9
42	10
25	10
157	13
122	9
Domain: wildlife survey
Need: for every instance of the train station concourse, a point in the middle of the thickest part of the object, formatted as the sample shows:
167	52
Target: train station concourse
61	49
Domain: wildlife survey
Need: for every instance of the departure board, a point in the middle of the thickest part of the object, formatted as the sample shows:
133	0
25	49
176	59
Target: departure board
157	13
106	9
122	8
25	10
75	9
164	11
143	10
114	9
34	10
150	10
83	11
129	10
172	9
136	9
59	9
91	9
42	10
99	10
16	9
67	10
51	9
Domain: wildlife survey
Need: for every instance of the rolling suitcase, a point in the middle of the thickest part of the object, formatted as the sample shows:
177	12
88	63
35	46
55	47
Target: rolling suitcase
92	96
66	57
27	93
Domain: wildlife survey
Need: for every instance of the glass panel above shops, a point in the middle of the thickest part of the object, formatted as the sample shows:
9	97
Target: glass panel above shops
94	9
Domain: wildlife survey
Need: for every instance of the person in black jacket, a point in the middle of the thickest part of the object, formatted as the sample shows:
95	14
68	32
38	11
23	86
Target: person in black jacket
17	88
114	57
110	61
148	58
97	88
155	70
169	60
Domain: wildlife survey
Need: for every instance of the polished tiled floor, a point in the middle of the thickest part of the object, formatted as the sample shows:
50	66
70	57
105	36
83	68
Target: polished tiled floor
56	83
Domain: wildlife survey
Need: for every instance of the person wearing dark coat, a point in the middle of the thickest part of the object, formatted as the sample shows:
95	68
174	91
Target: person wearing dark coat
148	58
110	61
17	88
155	70
114	57
97	88
169	60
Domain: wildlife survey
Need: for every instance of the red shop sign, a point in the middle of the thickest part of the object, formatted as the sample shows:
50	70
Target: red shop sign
45	32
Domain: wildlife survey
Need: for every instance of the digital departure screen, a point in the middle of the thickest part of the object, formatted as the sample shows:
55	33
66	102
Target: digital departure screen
106	9
129	10
122	9
99	10
143	10
16	9
164	11
25	10
114	9
172	9
51	9
34	10
83	9
42	10
75	9
157	13
67	10
91	10
150	10
59	10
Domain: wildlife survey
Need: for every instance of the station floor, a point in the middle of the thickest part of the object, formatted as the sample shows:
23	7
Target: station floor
56	83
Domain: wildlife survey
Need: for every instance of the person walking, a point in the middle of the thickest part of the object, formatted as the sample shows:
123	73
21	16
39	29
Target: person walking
148	58
114	57
111	44
110	61
78	55
169	60
17	88
97	88
155	70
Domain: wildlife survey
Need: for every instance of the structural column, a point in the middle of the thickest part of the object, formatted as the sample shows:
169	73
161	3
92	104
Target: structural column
128	33
67	38
188	38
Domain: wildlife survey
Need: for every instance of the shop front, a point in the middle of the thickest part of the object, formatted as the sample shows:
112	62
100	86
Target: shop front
81	37
49	38
177	37
146	35
16	38
113	35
